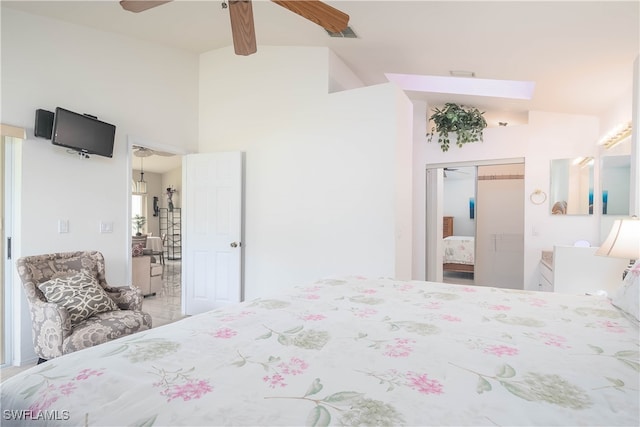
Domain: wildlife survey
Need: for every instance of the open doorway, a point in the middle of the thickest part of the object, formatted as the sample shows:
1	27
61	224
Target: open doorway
11	138
3	255
156	212
459	224
475	217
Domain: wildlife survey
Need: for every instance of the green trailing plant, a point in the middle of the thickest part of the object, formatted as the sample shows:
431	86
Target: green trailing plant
467	123
138	222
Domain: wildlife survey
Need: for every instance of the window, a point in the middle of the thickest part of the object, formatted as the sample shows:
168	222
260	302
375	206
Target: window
138	207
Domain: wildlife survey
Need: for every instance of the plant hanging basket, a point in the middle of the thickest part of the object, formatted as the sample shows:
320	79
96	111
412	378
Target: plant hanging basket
467	123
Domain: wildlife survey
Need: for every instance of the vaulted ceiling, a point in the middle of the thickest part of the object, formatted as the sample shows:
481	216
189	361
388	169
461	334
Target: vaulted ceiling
579	53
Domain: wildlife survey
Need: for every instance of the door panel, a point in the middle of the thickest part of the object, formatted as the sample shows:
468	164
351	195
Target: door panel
3	240
500	226
212	267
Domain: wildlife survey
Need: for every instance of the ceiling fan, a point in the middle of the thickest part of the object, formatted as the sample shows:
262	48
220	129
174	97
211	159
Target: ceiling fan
146	152
241	13
454	170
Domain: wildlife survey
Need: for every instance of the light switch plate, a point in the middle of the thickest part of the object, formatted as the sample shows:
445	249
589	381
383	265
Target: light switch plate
106	227
63	226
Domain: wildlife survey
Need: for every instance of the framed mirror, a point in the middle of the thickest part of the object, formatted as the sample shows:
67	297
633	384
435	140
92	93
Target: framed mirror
571	190
615	184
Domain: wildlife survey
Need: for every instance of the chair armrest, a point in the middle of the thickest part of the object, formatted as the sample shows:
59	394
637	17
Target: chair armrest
127	298
51	325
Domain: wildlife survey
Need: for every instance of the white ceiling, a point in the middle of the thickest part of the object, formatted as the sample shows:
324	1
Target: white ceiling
579	53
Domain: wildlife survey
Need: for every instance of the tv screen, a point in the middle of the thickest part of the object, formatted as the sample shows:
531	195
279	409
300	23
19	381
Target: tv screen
82	133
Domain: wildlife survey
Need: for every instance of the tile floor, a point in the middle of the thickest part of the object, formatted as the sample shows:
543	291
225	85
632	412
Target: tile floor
163	308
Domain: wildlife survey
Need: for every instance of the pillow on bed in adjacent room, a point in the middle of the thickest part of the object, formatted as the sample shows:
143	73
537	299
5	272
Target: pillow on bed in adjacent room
628	296
80	293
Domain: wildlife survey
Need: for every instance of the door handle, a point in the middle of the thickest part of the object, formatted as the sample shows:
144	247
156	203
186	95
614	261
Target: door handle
235	244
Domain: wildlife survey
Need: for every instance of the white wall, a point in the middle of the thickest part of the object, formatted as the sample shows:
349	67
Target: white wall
419	186
322	170
634	202
457	193
173	179
141	88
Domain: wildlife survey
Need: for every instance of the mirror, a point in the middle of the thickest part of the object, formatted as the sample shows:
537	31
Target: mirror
571	186
615	178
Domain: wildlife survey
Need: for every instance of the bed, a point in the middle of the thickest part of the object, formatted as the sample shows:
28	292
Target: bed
459	251
354	351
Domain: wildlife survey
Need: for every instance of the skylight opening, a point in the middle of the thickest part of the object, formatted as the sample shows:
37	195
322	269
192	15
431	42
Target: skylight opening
513	89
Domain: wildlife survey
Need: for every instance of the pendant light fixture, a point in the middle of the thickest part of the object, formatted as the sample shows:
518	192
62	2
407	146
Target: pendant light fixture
141	186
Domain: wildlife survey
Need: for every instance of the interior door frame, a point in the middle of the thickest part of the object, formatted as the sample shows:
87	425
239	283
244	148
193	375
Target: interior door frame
12	155
434	213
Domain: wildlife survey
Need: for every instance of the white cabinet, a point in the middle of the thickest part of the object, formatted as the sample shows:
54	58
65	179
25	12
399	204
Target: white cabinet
577	270
545	271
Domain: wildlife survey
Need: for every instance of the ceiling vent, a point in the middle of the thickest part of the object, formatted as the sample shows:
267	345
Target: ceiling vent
347	33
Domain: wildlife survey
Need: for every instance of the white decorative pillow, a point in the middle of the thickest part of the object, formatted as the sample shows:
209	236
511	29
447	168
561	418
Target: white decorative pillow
628	296
80	293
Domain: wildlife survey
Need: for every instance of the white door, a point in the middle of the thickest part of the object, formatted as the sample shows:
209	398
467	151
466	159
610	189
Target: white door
500	226
212	228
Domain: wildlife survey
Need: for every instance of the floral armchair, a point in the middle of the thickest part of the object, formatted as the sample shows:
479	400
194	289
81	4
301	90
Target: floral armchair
73	307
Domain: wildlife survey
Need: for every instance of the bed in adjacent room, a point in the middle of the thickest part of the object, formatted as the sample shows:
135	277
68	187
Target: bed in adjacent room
459	251
355	352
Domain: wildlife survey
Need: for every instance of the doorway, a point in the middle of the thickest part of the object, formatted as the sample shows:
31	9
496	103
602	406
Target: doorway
155	196
459	224
475	223
3	256
10	187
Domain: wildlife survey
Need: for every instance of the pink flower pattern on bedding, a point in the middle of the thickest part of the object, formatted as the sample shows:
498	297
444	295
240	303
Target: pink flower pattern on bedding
365	352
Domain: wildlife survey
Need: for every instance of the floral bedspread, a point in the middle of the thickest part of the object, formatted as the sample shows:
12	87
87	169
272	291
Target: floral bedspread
354	352
459	250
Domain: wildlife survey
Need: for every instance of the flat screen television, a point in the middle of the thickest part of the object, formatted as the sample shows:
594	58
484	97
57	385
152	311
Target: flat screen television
82	133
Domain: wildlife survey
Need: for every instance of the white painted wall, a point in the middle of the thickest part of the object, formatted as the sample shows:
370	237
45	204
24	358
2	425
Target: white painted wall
321	181
173	179
142	88
634	202
419	186
456	195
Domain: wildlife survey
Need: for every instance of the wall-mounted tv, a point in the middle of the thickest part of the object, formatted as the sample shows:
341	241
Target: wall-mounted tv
82	133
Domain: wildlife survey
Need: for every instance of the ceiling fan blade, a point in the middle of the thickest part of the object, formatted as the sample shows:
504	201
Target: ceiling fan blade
142	151
328	17
163	154
147	152
242	29
140	5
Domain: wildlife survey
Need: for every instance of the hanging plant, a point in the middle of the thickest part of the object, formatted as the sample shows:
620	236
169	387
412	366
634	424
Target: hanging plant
467	123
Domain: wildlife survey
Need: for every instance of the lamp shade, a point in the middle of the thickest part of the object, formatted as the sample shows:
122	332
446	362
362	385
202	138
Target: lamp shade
623	240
